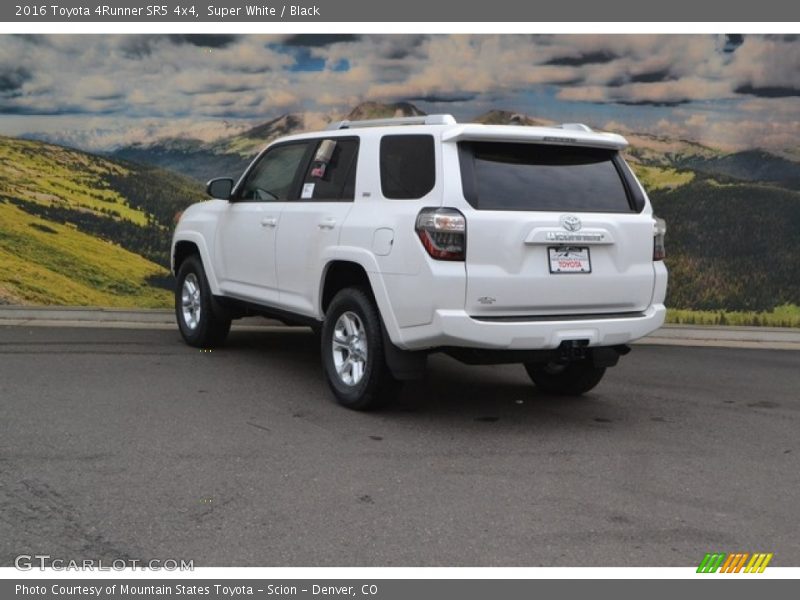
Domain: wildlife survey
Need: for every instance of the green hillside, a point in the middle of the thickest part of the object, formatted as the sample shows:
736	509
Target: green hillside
78	229
731	246
749	165
50	175
733	219
661	178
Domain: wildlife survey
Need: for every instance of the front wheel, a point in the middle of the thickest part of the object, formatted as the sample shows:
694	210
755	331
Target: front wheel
202	322
570	379
352	352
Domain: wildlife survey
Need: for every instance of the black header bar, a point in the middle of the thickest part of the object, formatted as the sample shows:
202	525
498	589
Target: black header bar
470	11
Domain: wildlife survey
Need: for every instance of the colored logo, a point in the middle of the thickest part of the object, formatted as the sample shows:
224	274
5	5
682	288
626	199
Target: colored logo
734	563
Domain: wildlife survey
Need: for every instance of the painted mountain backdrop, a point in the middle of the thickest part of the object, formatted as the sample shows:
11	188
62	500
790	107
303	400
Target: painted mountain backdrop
107	137
81	228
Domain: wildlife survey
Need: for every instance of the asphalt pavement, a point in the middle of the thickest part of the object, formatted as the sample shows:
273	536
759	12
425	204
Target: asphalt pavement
125	443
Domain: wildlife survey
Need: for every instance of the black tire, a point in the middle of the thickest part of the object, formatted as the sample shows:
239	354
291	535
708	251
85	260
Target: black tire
375	386
572	379
210	329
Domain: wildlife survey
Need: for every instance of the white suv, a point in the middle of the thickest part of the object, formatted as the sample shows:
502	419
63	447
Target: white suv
396	238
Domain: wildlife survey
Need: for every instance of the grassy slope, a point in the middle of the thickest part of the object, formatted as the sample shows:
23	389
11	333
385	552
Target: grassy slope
786	315
48	174
660	178
47	262
42	262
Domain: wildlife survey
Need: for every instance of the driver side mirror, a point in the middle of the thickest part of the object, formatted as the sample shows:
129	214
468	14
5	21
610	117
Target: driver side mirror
221	188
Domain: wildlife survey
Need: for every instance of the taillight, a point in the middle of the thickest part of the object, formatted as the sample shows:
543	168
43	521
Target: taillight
659	232
443	233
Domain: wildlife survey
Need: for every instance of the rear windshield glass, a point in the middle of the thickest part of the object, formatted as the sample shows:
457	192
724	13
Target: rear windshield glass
513	176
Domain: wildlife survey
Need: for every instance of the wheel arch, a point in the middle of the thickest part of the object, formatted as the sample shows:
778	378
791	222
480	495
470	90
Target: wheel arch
187	244
183	250
357	268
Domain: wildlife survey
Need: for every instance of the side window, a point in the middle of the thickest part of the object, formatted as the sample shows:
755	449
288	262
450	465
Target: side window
408	169
331	175
271	178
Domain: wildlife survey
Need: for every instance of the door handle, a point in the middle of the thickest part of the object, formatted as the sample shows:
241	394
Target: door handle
269	222
327	223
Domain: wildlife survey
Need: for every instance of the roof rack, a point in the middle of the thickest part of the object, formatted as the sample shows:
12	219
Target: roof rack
576	127
418	120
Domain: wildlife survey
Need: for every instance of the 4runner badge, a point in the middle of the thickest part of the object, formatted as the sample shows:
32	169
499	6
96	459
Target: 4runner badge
570	222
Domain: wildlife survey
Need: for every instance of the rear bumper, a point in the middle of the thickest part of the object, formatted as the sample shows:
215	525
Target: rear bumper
456	328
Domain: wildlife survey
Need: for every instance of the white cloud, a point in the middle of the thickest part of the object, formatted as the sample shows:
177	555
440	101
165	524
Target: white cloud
661	92
725	134
767	62
163	79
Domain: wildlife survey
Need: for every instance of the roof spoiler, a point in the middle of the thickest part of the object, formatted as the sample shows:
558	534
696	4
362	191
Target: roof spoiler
569	134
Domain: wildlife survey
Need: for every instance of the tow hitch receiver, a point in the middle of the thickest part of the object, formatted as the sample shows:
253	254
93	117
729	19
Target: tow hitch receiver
570	350
606	356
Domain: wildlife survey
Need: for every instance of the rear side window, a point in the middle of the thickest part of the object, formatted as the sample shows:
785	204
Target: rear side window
514	176
331	175
408	168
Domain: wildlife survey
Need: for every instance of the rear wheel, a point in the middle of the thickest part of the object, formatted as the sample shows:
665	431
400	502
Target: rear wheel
201	321
567	379
352	352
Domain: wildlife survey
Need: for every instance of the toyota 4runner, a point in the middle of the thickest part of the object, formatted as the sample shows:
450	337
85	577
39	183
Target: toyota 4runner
397	238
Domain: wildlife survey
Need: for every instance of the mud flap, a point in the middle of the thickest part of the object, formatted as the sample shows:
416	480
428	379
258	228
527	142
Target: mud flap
405	365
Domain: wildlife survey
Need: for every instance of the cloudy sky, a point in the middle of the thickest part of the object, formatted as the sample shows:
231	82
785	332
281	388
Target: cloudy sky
101	91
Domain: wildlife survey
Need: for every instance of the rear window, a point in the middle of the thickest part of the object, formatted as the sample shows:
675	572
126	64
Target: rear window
513	176
408	168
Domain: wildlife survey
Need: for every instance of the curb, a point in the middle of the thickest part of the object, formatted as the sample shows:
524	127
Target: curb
115	318
88	313
776	338
709	341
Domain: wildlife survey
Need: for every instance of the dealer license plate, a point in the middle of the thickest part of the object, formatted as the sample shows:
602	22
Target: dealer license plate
569	259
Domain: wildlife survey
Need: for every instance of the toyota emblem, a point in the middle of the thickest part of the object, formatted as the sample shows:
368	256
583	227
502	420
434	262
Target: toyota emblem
570	222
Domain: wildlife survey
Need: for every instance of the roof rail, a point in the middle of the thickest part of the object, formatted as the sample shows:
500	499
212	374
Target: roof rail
418	120
576	127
